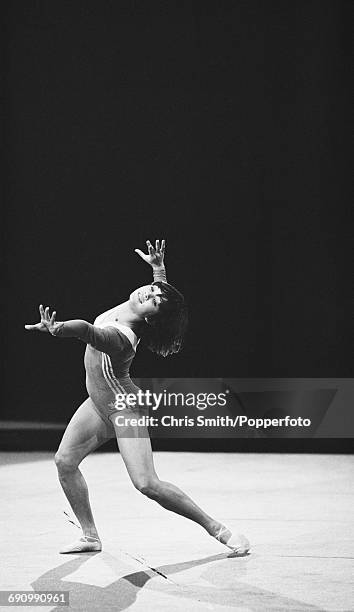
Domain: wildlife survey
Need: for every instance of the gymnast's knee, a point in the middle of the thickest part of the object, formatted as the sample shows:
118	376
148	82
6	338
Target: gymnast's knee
150	487
65	463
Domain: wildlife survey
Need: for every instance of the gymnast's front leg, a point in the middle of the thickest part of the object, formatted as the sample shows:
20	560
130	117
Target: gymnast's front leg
85	432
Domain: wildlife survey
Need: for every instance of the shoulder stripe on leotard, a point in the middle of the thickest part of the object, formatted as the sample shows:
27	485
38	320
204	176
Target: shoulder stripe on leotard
124	329
128	332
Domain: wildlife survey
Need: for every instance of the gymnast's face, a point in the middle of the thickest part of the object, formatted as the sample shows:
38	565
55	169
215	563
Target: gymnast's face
145	301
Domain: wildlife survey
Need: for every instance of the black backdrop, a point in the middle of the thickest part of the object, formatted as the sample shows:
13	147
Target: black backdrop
219	126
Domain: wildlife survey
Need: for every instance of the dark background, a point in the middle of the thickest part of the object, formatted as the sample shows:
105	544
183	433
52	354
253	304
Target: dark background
219	126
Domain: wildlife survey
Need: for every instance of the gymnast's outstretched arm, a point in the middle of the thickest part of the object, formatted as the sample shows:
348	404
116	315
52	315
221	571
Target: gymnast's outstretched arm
106	340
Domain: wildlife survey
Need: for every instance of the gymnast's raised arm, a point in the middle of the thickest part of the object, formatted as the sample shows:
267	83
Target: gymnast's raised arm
155	258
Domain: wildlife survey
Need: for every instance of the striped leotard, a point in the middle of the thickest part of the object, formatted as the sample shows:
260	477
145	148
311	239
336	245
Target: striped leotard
107	364
109	352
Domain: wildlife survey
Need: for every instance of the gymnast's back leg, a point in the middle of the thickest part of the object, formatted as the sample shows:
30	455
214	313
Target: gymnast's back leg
135	448
85	432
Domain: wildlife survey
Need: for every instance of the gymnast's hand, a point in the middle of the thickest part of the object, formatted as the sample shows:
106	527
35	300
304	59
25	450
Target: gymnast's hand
155	255
47	323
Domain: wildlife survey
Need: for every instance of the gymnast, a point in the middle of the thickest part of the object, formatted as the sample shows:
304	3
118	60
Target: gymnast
157	315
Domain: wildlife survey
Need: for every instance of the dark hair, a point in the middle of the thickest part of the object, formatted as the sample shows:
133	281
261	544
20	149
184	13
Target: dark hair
165	331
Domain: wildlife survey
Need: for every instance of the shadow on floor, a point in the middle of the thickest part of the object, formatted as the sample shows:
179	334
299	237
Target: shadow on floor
225	579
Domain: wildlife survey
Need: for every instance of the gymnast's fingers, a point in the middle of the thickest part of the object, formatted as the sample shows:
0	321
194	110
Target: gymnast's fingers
150	247
32	327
